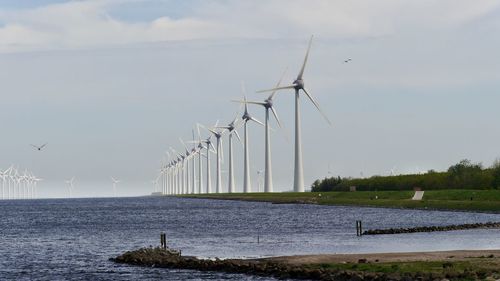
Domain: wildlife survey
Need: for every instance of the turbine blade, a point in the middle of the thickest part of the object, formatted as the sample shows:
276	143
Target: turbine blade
277	88
317	106
305	60
237	135
276	116
184	144
256	121
211	131
278	84
221	151
213	147
256	102
198	128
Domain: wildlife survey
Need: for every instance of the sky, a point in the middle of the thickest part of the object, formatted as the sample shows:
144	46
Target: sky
112	84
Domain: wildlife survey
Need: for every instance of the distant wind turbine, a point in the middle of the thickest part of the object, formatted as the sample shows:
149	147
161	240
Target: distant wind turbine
115	181
70	186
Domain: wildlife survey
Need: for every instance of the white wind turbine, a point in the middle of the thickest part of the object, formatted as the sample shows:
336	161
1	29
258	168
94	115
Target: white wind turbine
198	150
115	182
298	85
219	156
210	147
18	180
35	192
180	171
10	179
3	175
231	128
247	187
70	186
268	106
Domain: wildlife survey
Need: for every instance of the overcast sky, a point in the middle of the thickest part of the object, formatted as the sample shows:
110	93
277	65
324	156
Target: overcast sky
112	84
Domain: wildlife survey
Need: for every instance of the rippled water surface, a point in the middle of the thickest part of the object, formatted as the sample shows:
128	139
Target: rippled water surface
72	239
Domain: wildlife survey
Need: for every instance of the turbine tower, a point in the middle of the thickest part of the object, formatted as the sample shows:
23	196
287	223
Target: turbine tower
219	155
247	187
231	128
297	85
268	105
209	145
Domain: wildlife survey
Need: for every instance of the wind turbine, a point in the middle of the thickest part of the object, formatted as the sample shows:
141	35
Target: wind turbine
10	179
199	150
115	181
297	85
70	186
246	165
219	154
3	175
35	192
208	146
268	105
231	128
187	184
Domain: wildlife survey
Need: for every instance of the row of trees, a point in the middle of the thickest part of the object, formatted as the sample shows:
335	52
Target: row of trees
463	175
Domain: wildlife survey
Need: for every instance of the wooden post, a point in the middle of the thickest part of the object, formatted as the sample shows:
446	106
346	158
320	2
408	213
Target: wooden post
163	240
359	228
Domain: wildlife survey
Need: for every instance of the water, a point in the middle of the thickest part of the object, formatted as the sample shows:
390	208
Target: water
72	239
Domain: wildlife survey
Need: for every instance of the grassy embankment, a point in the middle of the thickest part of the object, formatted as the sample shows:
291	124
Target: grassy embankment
463	200
472	268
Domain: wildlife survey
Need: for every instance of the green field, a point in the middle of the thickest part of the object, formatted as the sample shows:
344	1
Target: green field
469	269
451	199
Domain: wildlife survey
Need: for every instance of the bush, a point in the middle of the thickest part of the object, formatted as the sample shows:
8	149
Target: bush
463	175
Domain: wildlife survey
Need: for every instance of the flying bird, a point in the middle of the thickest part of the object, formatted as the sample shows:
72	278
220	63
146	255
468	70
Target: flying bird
347	60
39	148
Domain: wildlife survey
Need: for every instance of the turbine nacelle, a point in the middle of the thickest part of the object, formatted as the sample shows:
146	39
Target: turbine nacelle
298	84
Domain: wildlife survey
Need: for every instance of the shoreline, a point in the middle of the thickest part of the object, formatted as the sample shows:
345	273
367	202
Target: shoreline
433	265
350	199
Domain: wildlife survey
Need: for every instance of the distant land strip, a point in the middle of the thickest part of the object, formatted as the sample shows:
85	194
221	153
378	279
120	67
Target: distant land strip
432	228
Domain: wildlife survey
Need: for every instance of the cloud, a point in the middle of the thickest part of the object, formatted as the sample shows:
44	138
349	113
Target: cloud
78	24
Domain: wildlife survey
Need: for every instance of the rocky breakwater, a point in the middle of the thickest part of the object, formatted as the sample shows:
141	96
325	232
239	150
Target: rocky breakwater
432	228
167	258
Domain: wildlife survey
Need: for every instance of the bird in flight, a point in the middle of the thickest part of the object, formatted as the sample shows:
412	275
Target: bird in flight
347	60
39	148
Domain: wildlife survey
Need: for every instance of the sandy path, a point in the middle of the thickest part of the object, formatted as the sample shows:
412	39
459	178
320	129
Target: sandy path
386	257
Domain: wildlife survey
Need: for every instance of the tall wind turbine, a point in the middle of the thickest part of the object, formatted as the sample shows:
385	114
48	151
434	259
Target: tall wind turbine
219	153
231	128
247	187
297	85
115	181
268	106
208	146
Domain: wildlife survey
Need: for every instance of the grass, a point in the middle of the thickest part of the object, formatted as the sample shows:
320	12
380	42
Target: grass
456	270
452	199
469	269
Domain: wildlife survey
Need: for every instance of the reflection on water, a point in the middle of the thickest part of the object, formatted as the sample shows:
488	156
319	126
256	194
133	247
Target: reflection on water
73	238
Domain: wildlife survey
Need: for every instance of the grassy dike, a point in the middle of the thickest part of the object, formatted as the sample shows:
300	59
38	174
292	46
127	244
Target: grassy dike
450	199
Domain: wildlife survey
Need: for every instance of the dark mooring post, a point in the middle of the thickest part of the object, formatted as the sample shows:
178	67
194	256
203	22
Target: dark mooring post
163	240
359	228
